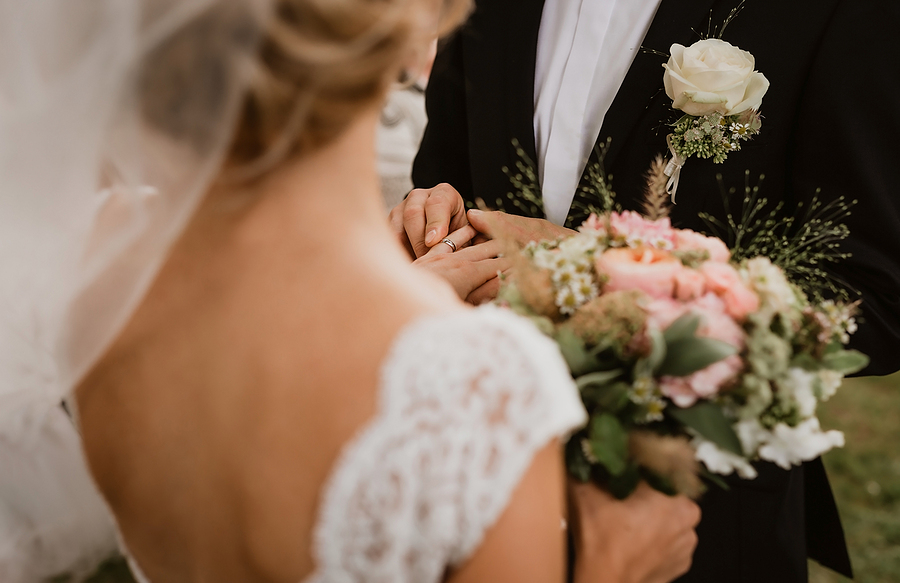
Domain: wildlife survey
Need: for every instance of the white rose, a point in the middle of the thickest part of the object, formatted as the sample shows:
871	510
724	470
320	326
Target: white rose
795	445
713	75
719	461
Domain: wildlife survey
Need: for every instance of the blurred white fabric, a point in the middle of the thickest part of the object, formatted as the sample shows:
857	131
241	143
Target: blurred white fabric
400	132
114	118
52	520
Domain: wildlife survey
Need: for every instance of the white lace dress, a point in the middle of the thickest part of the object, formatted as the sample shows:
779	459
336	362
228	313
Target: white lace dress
466	401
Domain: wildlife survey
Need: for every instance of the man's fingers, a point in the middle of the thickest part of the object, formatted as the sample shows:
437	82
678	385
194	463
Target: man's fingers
395	221
483	251
486	222
442	207
414	220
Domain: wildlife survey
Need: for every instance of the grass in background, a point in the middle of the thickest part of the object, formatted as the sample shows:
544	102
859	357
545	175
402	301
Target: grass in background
865	476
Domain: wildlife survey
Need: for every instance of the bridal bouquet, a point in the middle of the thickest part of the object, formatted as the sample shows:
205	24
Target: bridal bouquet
689	363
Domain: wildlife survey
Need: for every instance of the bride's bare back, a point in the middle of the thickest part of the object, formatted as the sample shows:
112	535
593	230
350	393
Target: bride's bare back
215	418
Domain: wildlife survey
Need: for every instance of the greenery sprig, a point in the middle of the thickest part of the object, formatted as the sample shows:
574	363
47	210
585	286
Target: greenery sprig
802	244
714	135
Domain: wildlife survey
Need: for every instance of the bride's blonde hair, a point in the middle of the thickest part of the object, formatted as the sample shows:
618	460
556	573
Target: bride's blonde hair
323	61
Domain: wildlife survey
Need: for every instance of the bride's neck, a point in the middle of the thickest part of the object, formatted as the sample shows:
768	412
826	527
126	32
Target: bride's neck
321	199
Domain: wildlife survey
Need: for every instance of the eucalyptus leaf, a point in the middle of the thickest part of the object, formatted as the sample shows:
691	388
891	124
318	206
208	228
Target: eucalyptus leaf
645	367
598	378
846	361
611	398
709	421
575	352
806	362
609	443
682	328
687	356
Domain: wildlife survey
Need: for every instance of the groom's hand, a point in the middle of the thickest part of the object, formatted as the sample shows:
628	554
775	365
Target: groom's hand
649	537
426	216
502	226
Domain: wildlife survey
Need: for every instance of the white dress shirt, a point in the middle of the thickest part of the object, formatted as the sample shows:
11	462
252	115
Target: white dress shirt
584	51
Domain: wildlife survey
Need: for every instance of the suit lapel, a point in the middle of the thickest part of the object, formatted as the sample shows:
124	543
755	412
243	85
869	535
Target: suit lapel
500	48
676	21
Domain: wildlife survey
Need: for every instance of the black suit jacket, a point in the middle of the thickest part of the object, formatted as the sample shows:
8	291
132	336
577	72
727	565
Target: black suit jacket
831	121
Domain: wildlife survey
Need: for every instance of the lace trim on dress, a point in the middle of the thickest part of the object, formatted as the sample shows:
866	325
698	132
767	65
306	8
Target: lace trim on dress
465	402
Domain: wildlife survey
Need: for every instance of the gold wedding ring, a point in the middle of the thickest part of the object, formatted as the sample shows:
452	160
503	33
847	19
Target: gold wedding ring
450	243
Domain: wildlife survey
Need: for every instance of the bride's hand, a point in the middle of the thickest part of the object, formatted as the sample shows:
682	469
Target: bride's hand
468	269
647	538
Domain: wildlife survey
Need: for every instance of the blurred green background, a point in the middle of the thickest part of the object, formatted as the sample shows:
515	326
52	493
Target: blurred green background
865	476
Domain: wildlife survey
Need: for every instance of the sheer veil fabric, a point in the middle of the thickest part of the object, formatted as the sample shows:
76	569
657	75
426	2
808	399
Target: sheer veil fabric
114	119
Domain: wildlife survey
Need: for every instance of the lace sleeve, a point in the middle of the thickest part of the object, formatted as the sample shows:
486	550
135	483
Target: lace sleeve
466	402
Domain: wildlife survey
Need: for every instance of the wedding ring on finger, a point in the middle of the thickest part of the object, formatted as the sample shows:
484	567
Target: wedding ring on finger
450	244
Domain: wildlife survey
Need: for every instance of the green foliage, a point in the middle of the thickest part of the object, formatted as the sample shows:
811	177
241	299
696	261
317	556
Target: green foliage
526	194
865	477
709	421
597	188
803	243
609	443
714	135
598	379
689	355
623	485
683	328
846	362
575	352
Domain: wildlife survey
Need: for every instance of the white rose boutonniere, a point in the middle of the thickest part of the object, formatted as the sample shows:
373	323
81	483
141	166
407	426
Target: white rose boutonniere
716	86
712	76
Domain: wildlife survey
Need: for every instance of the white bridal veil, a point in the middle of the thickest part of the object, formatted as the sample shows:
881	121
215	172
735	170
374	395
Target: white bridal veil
114	118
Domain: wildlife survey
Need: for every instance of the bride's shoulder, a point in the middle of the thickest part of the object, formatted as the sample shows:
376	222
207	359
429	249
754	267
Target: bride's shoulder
488	349
467	398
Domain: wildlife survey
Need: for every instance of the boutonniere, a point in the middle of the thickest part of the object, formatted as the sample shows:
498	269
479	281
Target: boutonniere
717	87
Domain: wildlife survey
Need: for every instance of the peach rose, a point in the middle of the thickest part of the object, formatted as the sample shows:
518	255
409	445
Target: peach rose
647	269
725	281
688	240
720	276
690	284
740	301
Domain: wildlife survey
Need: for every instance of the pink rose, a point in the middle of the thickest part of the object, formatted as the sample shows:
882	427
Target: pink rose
707	382
720	276
690	284
661	312
716	322
637	231
688	240
679	390
593	223
725	281
740	301
649	270
703	384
